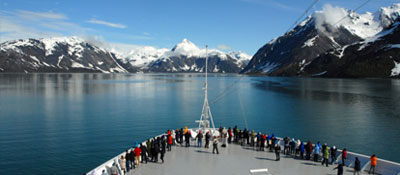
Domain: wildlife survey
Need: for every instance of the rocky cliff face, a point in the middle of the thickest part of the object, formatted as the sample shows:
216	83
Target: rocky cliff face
378	56
62	54
319	37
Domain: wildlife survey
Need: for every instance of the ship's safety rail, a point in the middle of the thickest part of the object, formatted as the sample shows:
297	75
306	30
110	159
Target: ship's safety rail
383	167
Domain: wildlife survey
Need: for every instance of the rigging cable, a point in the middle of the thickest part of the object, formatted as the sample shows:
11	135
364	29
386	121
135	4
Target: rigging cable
223	93
242	109
362	5
305	13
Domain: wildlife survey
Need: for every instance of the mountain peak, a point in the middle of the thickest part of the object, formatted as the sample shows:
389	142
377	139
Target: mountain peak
186	47
387	15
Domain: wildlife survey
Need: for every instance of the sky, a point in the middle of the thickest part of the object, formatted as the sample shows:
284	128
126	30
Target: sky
241	25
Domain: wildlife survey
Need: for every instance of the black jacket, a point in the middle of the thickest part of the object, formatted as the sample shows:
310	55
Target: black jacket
357	165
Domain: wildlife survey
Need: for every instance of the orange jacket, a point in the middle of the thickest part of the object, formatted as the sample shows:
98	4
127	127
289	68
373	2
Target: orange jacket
373	161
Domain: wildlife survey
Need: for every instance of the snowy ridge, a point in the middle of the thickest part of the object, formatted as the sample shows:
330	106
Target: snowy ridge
56	54
75	54
145	57
388	15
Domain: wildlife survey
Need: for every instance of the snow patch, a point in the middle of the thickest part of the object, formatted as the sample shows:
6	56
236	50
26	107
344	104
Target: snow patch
269	67
77	65
331	18
215	69
388	15
341	51
396	69
319	74
310	42
395	46
34	58
51	43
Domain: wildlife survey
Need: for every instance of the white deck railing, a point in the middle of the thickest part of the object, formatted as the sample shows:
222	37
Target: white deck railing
384	167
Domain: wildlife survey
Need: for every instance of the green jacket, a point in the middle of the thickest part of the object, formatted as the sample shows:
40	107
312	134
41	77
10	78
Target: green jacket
326	153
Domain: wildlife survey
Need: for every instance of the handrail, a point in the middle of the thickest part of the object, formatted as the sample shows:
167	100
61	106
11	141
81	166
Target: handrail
384	166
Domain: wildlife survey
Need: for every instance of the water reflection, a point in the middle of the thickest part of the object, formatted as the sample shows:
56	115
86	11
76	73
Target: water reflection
98	115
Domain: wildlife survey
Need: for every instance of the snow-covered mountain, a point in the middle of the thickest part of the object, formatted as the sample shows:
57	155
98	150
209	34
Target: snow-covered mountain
183	57
58	54
333	28
73	54
377	56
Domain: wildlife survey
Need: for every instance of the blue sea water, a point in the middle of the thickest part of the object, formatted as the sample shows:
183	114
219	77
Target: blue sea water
71	123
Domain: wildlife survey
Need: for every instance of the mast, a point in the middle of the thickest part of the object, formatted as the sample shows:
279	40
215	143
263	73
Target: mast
206	115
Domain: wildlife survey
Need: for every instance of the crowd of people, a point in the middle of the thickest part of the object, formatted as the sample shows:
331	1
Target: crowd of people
155	148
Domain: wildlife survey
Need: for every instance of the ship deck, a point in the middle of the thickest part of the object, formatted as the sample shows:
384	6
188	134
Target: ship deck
232	160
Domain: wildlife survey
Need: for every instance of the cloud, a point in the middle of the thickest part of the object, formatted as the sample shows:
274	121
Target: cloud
330	16
109	24
224	47
23	24
39	15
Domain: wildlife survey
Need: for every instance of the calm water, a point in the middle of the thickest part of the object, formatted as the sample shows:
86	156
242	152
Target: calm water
71	123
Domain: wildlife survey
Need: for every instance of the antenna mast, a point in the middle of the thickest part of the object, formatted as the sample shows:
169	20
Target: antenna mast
206	115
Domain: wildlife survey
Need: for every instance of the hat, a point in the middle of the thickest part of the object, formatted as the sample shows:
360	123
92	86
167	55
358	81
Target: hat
340	162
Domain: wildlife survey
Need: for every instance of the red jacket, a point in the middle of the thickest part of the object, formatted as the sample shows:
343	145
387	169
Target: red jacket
170	139
344	154
137	151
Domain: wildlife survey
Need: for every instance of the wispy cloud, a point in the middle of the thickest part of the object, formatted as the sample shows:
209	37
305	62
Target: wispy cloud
22	24
40	15
115	25
224	47
271	3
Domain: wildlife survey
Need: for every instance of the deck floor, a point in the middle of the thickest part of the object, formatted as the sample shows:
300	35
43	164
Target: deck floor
233	160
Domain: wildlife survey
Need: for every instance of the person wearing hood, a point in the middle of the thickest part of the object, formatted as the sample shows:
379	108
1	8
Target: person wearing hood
325	156
114	168
333	154
186	130
317	150
199	138
339	168
357	166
